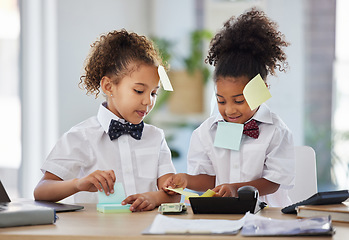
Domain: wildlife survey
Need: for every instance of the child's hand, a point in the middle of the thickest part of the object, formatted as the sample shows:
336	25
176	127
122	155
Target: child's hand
97	181
140	202
226	190
175	181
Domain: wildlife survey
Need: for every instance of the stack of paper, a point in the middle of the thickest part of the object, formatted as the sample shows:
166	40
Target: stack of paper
252	225
169	225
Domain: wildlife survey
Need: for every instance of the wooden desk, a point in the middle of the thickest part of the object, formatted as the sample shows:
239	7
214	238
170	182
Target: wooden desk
90	224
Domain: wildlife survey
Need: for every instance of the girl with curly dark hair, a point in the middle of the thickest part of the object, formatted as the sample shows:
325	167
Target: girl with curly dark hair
114	146
245	47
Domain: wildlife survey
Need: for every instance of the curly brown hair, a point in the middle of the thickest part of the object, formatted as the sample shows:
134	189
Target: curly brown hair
112	54
246	46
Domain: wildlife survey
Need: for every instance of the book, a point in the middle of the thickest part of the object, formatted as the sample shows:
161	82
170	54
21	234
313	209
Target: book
338	212
23	214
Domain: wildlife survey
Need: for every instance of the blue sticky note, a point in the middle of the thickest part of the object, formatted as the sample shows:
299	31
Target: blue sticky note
117	197
228	135
113	208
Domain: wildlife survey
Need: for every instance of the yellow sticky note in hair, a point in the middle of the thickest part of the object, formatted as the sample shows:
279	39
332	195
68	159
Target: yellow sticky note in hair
165	81
256	92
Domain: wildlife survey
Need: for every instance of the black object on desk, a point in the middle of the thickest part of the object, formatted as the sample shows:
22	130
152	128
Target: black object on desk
320	198
246	202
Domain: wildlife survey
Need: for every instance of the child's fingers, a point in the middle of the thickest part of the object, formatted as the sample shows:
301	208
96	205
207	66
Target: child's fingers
227	194
112	174
167	184
134	200
130	199
142	204
85	184
106	179
218	191
103	186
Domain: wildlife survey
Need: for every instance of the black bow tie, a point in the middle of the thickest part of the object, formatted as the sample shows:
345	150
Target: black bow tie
116	129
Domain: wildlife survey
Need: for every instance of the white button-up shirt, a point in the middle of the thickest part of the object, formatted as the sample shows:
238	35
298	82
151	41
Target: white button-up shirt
271	156
87	147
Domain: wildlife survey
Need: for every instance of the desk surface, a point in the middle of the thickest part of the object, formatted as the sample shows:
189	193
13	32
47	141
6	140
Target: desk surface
90	224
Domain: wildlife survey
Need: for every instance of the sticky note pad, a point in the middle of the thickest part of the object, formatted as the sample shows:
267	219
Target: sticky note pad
117	197
112	203
113	208
165	81
228	135
256	92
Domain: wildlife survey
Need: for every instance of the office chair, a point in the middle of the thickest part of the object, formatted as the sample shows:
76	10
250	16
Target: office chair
306	179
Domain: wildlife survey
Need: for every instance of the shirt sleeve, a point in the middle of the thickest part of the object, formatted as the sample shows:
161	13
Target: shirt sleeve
69	155
280	159
198	158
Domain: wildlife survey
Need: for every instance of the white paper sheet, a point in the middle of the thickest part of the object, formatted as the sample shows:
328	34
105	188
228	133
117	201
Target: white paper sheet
172	225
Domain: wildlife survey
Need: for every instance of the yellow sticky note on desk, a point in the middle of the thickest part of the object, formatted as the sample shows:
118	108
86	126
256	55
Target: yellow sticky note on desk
256	92
208	193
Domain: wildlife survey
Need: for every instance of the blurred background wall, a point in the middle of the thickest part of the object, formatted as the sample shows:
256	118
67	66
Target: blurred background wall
43	44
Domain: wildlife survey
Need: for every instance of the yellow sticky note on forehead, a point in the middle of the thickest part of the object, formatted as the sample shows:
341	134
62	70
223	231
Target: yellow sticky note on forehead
165	81
256	92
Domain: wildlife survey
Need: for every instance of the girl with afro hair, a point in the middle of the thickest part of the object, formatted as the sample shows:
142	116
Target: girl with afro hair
245	47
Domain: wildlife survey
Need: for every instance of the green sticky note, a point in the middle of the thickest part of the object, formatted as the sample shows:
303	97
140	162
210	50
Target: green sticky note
113	208
117	197
228	135
256	92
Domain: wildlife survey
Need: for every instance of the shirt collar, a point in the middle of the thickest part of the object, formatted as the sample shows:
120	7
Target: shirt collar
263	115
104	117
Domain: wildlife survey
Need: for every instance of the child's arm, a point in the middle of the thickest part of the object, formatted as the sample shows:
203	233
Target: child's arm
200	182
150	200
263	185
52	188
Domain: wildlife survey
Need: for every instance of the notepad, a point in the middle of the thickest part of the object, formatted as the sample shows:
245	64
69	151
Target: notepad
112	203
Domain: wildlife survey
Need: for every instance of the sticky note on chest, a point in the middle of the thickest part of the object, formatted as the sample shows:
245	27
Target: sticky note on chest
256	92
228	135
